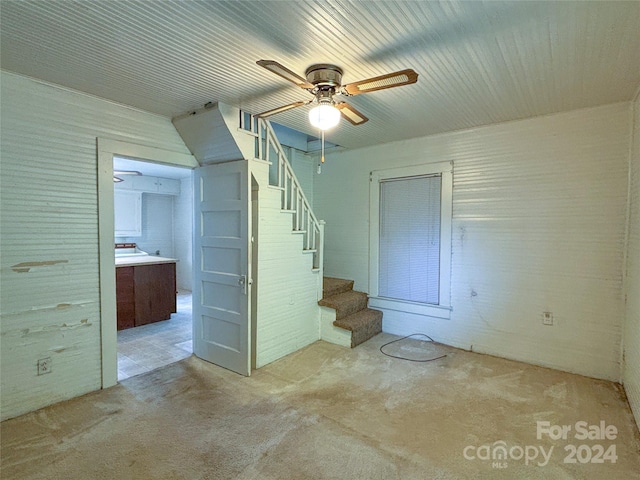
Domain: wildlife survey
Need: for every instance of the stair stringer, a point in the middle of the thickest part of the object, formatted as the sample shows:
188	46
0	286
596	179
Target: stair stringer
288	315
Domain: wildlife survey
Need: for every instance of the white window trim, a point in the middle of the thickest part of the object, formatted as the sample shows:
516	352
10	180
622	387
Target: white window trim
443	309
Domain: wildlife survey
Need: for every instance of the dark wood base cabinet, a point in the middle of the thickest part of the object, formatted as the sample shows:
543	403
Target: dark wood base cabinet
145	294
125	300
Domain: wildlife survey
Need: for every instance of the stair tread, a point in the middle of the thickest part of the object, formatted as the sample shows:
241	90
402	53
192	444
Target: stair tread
332	286
359	319
346	303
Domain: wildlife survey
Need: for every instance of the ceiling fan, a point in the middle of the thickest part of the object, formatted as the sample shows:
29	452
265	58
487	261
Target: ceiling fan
324	81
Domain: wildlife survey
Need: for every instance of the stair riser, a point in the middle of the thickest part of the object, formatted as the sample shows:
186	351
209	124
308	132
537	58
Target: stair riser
364	334
353	307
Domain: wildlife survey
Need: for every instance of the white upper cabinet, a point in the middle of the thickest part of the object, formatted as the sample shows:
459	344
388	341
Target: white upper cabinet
144	183
127	213
168	186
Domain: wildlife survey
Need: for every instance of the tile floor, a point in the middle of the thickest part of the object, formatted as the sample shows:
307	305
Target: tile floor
148	347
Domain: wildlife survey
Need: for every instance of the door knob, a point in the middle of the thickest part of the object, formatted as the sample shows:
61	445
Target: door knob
242	281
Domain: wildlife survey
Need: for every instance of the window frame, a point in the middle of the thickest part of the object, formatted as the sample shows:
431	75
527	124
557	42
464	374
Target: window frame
445	170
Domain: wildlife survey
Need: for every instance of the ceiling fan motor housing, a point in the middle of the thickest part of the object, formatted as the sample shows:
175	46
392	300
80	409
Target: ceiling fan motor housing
324	75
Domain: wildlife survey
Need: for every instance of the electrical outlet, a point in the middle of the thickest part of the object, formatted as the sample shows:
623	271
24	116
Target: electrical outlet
44	366
547	318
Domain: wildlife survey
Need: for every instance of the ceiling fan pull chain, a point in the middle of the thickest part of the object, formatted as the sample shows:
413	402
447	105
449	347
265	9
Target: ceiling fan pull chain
322	152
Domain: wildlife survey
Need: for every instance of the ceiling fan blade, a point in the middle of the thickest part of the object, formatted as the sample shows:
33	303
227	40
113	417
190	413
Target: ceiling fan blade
285	73
284	108
127	172
390	80
350	114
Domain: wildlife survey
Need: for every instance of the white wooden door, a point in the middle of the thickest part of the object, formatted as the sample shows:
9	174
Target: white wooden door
221	288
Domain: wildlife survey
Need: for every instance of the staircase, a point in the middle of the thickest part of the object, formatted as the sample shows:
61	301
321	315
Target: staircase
290	240
351	312
287	238
292	198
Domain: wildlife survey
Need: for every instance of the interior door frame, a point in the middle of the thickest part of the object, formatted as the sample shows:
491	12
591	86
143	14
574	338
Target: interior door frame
106	150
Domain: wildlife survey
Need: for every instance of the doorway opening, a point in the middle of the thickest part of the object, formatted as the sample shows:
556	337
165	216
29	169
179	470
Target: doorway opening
153	211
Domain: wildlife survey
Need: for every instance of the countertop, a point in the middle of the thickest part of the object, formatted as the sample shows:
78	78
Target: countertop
133	260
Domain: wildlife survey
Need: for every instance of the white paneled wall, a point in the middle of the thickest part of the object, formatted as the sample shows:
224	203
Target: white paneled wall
631	374
49	235
288	314
183	236
538	225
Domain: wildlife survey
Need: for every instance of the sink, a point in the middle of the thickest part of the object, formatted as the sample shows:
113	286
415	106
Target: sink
129	250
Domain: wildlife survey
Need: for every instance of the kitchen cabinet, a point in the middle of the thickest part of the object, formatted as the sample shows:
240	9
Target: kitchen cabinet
125	300
147	184
168	186
155	292
145	293
127	206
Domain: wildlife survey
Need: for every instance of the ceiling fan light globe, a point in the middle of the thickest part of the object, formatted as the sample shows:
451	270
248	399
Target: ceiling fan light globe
324	117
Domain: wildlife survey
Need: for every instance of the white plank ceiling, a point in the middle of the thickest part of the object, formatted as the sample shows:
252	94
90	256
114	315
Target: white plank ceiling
479	62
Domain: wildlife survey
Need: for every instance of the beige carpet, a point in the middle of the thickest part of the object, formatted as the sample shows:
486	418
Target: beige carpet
326	412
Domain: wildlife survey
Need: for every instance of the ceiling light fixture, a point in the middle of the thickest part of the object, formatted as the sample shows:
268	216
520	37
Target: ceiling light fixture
117	179
324	116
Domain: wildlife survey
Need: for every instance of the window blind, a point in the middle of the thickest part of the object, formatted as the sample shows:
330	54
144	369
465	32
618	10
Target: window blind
409	256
